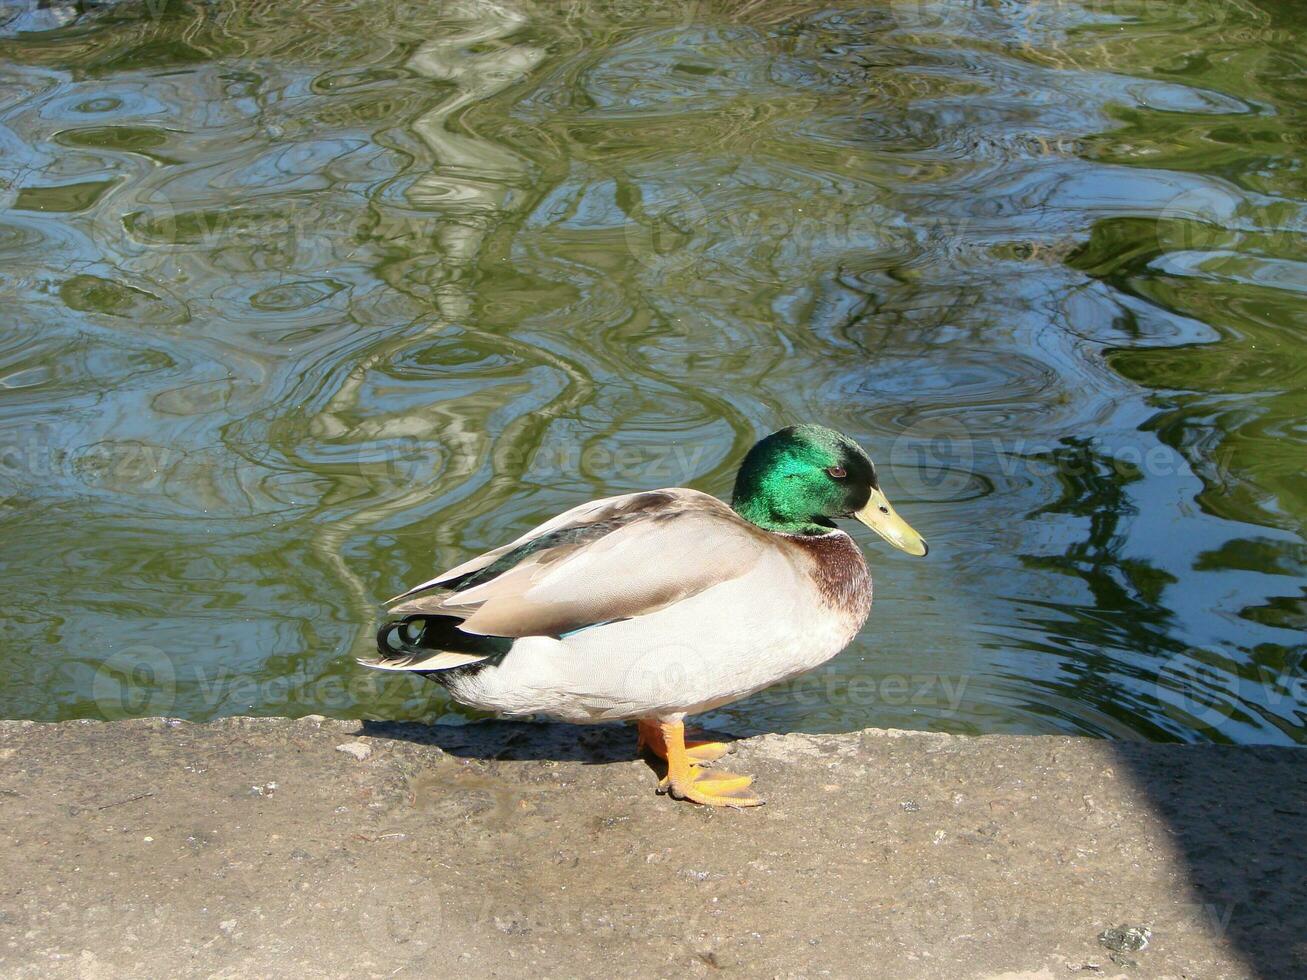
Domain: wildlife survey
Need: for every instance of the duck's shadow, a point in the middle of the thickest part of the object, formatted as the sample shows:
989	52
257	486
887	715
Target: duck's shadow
520	740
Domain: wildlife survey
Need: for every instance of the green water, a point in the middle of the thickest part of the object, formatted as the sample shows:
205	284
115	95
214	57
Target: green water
303	302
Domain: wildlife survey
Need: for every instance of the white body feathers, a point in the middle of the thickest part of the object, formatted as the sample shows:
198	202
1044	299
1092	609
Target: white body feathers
675	605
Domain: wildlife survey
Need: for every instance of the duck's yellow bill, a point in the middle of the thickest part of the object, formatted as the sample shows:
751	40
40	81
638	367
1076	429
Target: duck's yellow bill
882	518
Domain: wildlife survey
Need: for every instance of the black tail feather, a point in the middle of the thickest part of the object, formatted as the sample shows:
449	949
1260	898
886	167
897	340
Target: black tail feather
419	636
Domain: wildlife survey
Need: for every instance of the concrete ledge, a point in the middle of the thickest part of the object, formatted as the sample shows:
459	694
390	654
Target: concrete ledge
259	847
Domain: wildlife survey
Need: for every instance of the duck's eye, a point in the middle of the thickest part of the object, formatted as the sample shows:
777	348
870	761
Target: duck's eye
838	472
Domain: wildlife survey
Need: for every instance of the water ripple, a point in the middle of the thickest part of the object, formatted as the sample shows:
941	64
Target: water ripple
316	300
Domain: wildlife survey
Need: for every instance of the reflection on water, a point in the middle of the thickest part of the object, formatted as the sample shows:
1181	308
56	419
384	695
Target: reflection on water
303	303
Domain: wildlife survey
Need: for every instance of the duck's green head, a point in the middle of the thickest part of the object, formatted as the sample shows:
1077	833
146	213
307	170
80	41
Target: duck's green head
802	479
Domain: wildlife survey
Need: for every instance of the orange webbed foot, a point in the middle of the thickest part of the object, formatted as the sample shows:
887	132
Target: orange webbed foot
685	779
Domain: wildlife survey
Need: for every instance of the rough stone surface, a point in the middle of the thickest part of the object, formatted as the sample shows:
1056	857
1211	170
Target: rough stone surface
252	848
359	750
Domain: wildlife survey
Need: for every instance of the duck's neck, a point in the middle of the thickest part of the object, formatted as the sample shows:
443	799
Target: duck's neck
763	505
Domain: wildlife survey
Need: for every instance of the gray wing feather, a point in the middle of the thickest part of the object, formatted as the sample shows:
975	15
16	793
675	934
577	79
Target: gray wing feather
648	552
586	513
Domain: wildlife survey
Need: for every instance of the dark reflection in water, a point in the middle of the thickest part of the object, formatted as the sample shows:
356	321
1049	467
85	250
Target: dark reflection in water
303	302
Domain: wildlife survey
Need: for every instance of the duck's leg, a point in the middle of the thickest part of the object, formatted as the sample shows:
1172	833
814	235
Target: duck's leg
699	750
686	781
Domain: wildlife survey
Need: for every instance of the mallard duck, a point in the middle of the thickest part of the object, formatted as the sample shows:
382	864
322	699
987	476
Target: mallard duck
657	605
